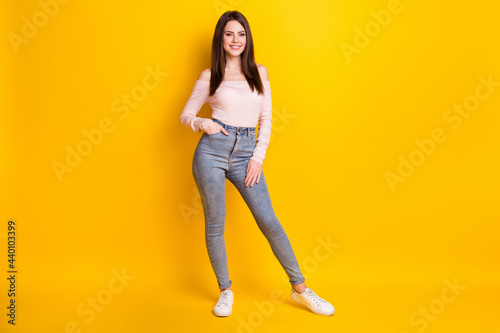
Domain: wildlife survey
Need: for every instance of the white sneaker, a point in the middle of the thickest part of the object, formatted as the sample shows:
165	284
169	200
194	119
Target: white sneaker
224	305
314	302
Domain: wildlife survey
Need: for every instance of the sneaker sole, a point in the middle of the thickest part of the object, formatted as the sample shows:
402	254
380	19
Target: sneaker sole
222	315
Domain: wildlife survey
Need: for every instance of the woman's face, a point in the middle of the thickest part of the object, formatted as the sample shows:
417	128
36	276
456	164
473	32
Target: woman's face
235	38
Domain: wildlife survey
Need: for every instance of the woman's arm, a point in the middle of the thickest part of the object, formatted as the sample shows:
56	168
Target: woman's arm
254	167
265	119
198	97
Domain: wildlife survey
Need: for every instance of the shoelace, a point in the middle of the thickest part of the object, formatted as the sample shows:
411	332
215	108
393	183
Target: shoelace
315	298
224	298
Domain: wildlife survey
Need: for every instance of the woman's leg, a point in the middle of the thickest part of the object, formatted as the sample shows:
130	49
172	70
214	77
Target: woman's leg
258	200
209	174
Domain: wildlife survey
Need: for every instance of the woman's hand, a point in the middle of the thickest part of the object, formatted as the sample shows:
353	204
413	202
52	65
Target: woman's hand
254	169
214	127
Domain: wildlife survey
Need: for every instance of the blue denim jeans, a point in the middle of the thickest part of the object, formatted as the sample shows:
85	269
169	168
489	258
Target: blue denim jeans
217	157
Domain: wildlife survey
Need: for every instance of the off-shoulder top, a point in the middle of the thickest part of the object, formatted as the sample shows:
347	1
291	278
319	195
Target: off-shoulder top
233	104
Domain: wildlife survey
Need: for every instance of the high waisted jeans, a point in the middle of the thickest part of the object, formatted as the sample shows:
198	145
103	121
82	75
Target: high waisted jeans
217	157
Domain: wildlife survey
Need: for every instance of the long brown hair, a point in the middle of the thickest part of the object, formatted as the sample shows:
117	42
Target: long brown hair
248	65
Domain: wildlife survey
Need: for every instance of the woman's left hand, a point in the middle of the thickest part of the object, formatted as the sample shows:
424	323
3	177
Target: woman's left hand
254	169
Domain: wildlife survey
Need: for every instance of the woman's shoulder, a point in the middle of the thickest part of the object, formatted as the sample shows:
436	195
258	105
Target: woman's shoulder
205	75
264	75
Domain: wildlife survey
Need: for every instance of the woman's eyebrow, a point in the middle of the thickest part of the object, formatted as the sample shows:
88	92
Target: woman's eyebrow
231	31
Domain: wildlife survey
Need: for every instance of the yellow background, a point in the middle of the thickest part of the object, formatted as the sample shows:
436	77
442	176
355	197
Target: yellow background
339	126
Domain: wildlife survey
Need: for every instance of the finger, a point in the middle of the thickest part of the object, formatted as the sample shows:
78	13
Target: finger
223	130
250	177
258	177
246	178
254	178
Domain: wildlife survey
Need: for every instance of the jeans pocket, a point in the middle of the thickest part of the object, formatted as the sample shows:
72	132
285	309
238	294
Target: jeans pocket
214	134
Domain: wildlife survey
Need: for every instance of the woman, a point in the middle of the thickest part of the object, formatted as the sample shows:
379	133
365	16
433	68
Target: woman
239	92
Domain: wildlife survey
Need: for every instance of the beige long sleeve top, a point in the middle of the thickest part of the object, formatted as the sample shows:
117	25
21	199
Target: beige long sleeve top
234	104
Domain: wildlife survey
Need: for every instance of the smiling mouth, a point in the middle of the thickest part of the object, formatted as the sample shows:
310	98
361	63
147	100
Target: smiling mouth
235	47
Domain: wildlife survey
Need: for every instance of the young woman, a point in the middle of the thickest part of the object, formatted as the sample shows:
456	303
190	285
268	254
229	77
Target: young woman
239	92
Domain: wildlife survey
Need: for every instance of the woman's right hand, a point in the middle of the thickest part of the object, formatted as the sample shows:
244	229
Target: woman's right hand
214	127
